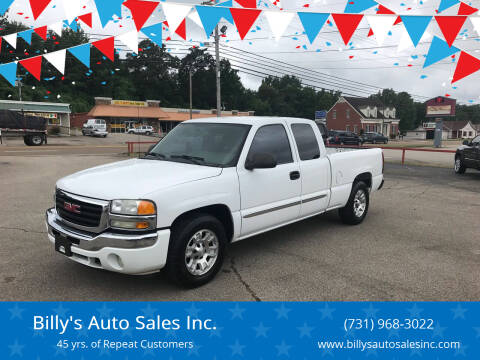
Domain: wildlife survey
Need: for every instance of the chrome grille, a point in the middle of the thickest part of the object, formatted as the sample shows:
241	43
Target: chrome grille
85	214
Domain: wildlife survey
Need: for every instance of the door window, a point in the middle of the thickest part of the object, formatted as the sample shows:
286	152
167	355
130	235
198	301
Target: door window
307	143
272	139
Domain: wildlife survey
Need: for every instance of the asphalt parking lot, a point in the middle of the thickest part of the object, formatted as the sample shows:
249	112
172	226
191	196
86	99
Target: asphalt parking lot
419	242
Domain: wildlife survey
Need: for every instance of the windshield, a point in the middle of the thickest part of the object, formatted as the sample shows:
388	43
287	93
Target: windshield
207	144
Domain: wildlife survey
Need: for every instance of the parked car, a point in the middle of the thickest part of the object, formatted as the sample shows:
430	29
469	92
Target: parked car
142	130
344	138
205	185
468	156
323	131
374	138
93	125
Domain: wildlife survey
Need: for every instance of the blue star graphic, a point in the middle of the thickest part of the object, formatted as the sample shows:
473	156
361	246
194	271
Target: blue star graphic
83	332
327	312
282	312
305	330
261	330
438	331
193	311
237	349
171	333
61	311
477	330
217	331
149	311
104	311
16	312
459	312
16	349
237	312
283	349
371	312
461	350
127	333
415	311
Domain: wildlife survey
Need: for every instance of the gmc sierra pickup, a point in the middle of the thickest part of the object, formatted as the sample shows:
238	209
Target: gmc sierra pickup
208	183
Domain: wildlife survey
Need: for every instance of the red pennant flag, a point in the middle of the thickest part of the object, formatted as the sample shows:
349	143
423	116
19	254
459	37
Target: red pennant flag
370	33
347	24
106	47
466	9
467	65
42	32
244	19
38	7
182	30
33	66
382	10
398	21
1	39
87	19
450	26
141	11
251	4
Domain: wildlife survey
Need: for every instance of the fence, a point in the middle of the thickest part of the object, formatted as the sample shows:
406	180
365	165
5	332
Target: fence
131	145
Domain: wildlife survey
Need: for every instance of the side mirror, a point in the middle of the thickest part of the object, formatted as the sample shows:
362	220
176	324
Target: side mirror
261	161
466	142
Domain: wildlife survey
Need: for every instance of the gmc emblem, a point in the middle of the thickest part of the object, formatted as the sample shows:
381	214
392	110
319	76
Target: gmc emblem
71	207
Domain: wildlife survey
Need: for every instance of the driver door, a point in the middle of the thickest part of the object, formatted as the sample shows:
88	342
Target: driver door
270	197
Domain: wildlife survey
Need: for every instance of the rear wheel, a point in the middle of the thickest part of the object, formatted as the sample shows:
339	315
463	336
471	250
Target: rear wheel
460	167
357	206
26	140
196	250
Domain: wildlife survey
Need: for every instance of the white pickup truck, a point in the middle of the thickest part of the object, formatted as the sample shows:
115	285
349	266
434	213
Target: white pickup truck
208	183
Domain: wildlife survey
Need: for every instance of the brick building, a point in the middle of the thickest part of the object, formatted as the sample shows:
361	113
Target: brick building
357	114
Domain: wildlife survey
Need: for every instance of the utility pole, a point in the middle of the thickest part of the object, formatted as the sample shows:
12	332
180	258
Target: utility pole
217	70
191	95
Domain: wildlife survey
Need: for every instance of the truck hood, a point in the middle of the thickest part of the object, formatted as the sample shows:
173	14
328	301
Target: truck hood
133	179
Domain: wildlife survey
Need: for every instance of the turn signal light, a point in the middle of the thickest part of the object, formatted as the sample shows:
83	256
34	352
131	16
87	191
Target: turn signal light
146	208
142	225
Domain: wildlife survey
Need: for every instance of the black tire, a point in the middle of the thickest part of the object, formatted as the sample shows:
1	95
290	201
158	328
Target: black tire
348	214
374	141
26	140
459	166
182	232
148	133
37	140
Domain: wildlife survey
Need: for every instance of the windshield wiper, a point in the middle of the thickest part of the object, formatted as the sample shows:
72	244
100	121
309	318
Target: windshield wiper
155	155
194	159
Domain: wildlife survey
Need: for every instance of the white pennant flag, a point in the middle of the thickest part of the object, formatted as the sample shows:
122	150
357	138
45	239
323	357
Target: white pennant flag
278	21
175	14
56	28
57	59
405	42
72	9
11	39
130	40
476	23
195	18
381	25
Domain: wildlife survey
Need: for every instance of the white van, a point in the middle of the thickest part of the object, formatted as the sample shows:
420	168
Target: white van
95	127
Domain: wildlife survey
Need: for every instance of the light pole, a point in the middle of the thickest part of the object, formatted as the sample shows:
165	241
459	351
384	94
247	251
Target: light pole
191	95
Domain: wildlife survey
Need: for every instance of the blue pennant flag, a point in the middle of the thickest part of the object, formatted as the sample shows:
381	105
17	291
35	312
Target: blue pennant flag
439	50
9	72
445	4
107	8
312	23
154	33
82	53
73	25
5	5
26	35
416	26
210	16
357	6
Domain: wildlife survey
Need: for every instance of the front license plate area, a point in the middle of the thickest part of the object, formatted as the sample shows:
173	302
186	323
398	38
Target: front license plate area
63	245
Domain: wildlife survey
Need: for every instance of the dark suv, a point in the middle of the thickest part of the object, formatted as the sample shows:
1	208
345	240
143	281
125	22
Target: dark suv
344	138
468	156
374	138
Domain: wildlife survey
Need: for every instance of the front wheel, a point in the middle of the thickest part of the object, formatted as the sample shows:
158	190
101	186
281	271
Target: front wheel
459	166
196	250
357	206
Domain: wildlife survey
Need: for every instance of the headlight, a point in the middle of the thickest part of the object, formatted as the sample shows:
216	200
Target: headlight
133	207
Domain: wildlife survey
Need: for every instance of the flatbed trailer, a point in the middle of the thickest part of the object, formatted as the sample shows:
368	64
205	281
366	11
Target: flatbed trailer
16	124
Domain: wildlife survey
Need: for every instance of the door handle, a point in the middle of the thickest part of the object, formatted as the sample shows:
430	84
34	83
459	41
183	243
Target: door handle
295	175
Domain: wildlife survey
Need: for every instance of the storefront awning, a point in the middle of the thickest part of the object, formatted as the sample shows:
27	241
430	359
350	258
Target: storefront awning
112	111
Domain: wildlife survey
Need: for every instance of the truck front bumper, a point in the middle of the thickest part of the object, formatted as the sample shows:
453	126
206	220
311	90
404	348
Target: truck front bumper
134	254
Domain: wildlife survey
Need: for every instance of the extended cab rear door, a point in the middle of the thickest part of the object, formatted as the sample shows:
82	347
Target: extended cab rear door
314	168
269	197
